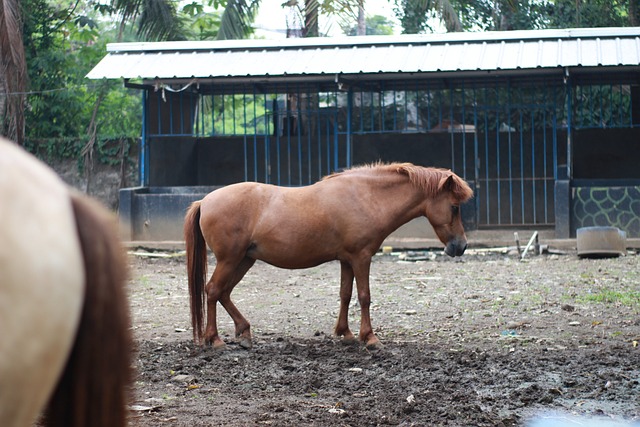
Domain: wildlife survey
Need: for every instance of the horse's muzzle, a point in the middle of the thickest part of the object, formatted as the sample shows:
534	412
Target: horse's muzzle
455	247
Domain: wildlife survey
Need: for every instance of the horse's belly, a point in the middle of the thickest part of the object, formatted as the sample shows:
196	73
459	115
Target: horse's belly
292	256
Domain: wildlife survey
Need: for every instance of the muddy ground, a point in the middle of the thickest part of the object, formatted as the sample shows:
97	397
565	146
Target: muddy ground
483	340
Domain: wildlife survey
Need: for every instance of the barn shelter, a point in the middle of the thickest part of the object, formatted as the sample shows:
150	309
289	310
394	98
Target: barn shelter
545	125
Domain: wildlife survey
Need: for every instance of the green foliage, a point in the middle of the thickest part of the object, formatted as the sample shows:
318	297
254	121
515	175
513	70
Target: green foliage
376	25
201	22
418	16
235	115
591	13
414	16
61	46
501	15
609	296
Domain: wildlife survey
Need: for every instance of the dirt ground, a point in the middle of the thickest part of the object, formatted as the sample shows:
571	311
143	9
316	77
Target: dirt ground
482	340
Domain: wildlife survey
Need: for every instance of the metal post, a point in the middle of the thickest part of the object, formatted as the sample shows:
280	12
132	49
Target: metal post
569	95
349	116
142	162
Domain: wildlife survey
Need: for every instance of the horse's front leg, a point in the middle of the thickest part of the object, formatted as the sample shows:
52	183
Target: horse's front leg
361	271
346	288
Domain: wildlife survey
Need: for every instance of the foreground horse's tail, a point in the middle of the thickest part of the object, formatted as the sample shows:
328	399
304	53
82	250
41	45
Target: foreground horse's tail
94	387
196	267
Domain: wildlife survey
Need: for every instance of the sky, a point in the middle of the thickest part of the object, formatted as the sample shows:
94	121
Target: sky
272	18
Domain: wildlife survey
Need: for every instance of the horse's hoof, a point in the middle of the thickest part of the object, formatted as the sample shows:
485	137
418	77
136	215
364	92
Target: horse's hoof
374	345
246	343
349	340
218	345
219	348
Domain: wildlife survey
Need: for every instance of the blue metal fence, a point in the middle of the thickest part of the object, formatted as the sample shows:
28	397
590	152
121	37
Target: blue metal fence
508	136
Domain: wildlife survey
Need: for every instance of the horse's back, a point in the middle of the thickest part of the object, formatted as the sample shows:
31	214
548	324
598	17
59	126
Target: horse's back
290	227
38	319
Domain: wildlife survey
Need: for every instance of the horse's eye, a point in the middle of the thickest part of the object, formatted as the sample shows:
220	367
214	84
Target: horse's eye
455	209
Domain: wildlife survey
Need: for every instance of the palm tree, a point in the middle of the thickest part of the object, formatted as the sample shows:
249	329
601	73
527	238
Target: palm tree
13	72
156	19
413	15
237	18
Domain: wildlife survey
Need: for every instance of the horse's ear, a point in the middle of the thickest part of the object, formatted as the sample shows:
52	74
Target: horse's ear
448	183
454	184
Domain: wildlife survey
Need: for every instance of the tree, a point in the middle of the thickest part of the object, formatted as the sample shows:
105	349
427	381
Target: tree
593	13
416	16
237	18
13	77
503	15
374	25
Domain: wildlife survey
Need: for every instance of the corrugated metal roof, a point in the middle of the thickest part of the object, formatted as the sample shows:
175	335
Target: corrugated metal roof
365	55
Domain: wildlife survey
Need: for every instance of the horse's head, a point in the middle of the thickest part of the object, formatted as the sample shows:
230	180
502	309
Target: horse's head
443	212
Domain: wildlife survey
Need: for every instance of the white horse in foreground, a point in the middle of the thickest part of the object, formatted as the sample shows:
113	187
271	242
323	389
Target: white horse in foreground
65	343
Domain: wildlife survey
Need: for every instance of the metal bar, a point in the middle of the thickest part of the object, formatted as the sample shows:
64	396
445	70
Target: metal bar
142	162
418	118
591	106
267	157
620	107
499	195
486	155
233	107
181	108
319	126
255	138
544	158
522	166
278	132
170	95
428	125
372	115
213	124
452	140
361	111
476	164
308	115
406	110
509	152
464	135
159	104
335	132
348	136
630	109
533	162
382	107
299	134
244	140
611	122
328	143
569	97
287	130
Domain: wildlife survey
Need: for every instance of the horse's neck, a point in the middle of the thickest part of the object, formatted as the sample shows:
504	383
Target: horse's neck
400	200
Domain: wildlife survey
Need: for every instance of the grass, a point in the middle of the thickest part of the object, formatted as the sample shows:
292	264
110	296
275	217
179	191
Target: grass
608	296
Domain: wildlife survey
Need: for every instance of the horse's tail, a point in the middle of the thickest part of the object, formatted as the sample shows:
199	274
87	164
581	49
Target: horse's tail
94	387
196	267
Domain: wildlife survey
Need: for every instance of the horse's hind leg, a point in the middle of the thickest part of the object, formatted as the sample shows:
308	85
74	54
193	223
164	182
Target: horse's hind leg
243	328
225	277
346	289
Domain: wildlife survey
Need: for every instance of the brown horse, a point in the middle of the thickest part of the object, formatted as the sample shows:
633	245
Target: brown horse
344	217
63	309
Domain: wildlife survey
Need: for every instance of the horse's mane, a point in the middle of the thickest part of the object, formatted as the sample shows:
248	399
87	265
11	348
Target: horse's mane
428	179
